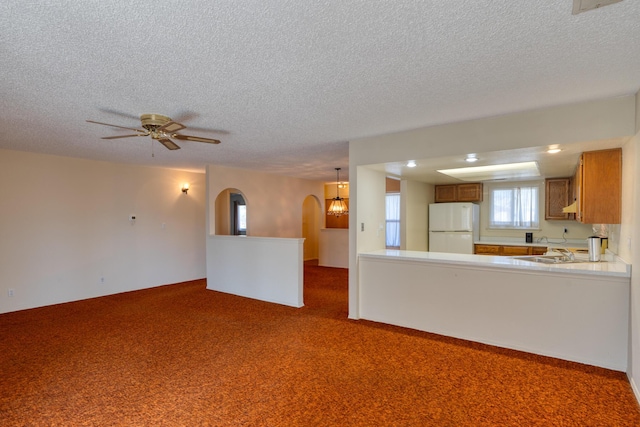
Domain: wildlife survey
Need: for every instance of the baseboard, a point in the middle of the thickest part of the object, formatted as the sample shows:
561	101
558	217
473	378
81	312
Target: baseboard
636	392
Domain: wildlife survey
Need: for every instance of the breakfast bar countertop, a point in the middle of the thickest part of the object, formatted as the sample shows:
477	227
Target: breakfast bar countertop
610	266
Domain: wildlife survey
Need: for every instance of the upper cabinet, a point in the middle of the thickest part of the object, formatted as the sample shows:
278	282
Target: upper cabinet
598	187
557	195
458	193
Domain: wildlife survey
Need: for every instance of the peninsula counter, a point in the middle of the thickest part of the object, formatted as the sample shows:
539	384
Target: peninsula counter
577	312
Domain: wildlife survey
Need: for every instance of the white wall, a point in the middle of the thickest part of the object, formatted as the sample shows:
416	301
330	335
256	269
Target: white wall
586	121
263	268
274	202
629	190
370	215
267	264
575	316
630	250
334	248
414	214
366	221
64	225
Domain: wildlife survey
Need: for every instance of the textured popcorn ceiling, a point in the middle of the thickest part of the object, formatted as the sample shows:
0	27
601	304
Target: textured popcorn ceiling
287	83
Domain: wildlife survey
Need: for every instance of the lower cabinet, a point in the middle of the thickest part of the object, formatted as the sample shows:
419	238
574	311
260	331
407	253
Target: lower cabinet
508	250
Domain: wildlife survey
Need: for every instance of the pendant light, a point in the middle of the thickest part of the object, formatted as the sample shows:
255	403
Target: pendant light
338	206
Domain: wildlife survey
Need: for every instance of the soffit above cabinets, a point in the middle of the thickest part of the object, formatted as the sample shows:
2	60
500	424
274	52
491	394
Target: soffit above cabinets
557	165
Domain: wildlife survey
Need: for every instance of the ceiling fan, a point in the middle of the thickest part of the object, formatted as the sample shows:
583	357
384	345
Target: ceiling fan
160	128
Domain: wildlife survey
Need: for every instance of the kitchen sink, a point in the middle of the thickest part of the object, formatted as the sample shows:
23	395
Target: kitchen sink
549	259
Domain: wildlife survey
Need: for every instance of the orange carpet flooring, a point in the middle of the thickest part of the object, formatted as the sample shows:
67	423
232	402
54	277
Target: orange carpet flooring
181	355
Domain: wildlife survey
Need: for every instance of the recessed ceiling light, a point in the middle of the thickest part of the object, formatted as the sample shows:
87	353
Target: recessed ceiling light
411	164
492	172
471	158
554	150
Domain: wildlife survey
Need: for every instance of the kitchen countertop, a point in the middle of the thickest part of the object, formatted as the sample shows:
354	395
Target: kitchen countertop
576	243
612	266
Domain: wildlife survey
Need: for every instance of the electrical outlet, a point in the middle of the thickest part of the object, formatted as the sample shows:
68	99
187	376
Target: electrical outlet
10	292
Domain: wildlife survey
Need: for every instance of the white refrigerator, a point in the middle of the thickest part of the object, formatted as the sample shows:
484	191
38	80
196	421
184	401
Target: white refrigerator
453	227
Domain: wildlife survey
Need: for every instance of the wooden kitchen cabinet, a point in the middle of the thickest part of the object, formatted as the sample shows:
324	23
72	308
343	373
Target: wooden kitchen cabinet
538	250
557	195
446	193
516	250
598	187
487	249
508	250
471	192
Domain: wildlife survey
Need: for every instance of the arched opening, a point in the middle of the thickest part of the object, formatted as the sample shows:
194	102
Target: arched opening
311	224
231	213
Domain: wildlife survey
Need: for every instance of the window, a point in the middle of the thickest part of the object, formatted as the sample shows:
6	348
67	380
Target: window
514	207
241	215
393	220
238	214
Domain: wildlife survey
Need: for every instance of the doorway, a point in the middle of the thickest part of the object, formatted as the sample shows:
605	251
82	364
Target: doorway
231	213
311	224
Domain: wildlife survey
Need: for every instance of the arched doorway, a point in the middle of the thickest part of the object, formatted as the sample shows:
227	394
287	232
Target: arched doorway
231	213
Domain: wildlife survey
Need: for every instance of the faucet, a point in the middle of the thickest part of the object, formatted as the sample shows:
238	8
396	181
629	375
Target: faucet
568	255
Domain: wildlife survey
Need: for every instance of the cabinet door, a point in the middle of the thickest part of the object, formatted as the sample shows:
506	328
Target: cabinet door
538	250
557	196
515	250
487	249
445	193
470	192
600	196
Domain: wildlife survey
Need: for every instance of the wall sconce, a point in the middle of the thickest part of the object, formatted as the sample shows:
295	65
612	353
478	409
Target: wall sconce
185	188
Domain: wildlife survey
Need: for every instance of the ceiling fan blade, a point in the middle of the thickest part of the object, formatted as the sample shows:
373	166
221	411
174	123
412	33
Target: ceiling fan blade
171	127
168	143
120	113
195	138
185	116
116	126
124	136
